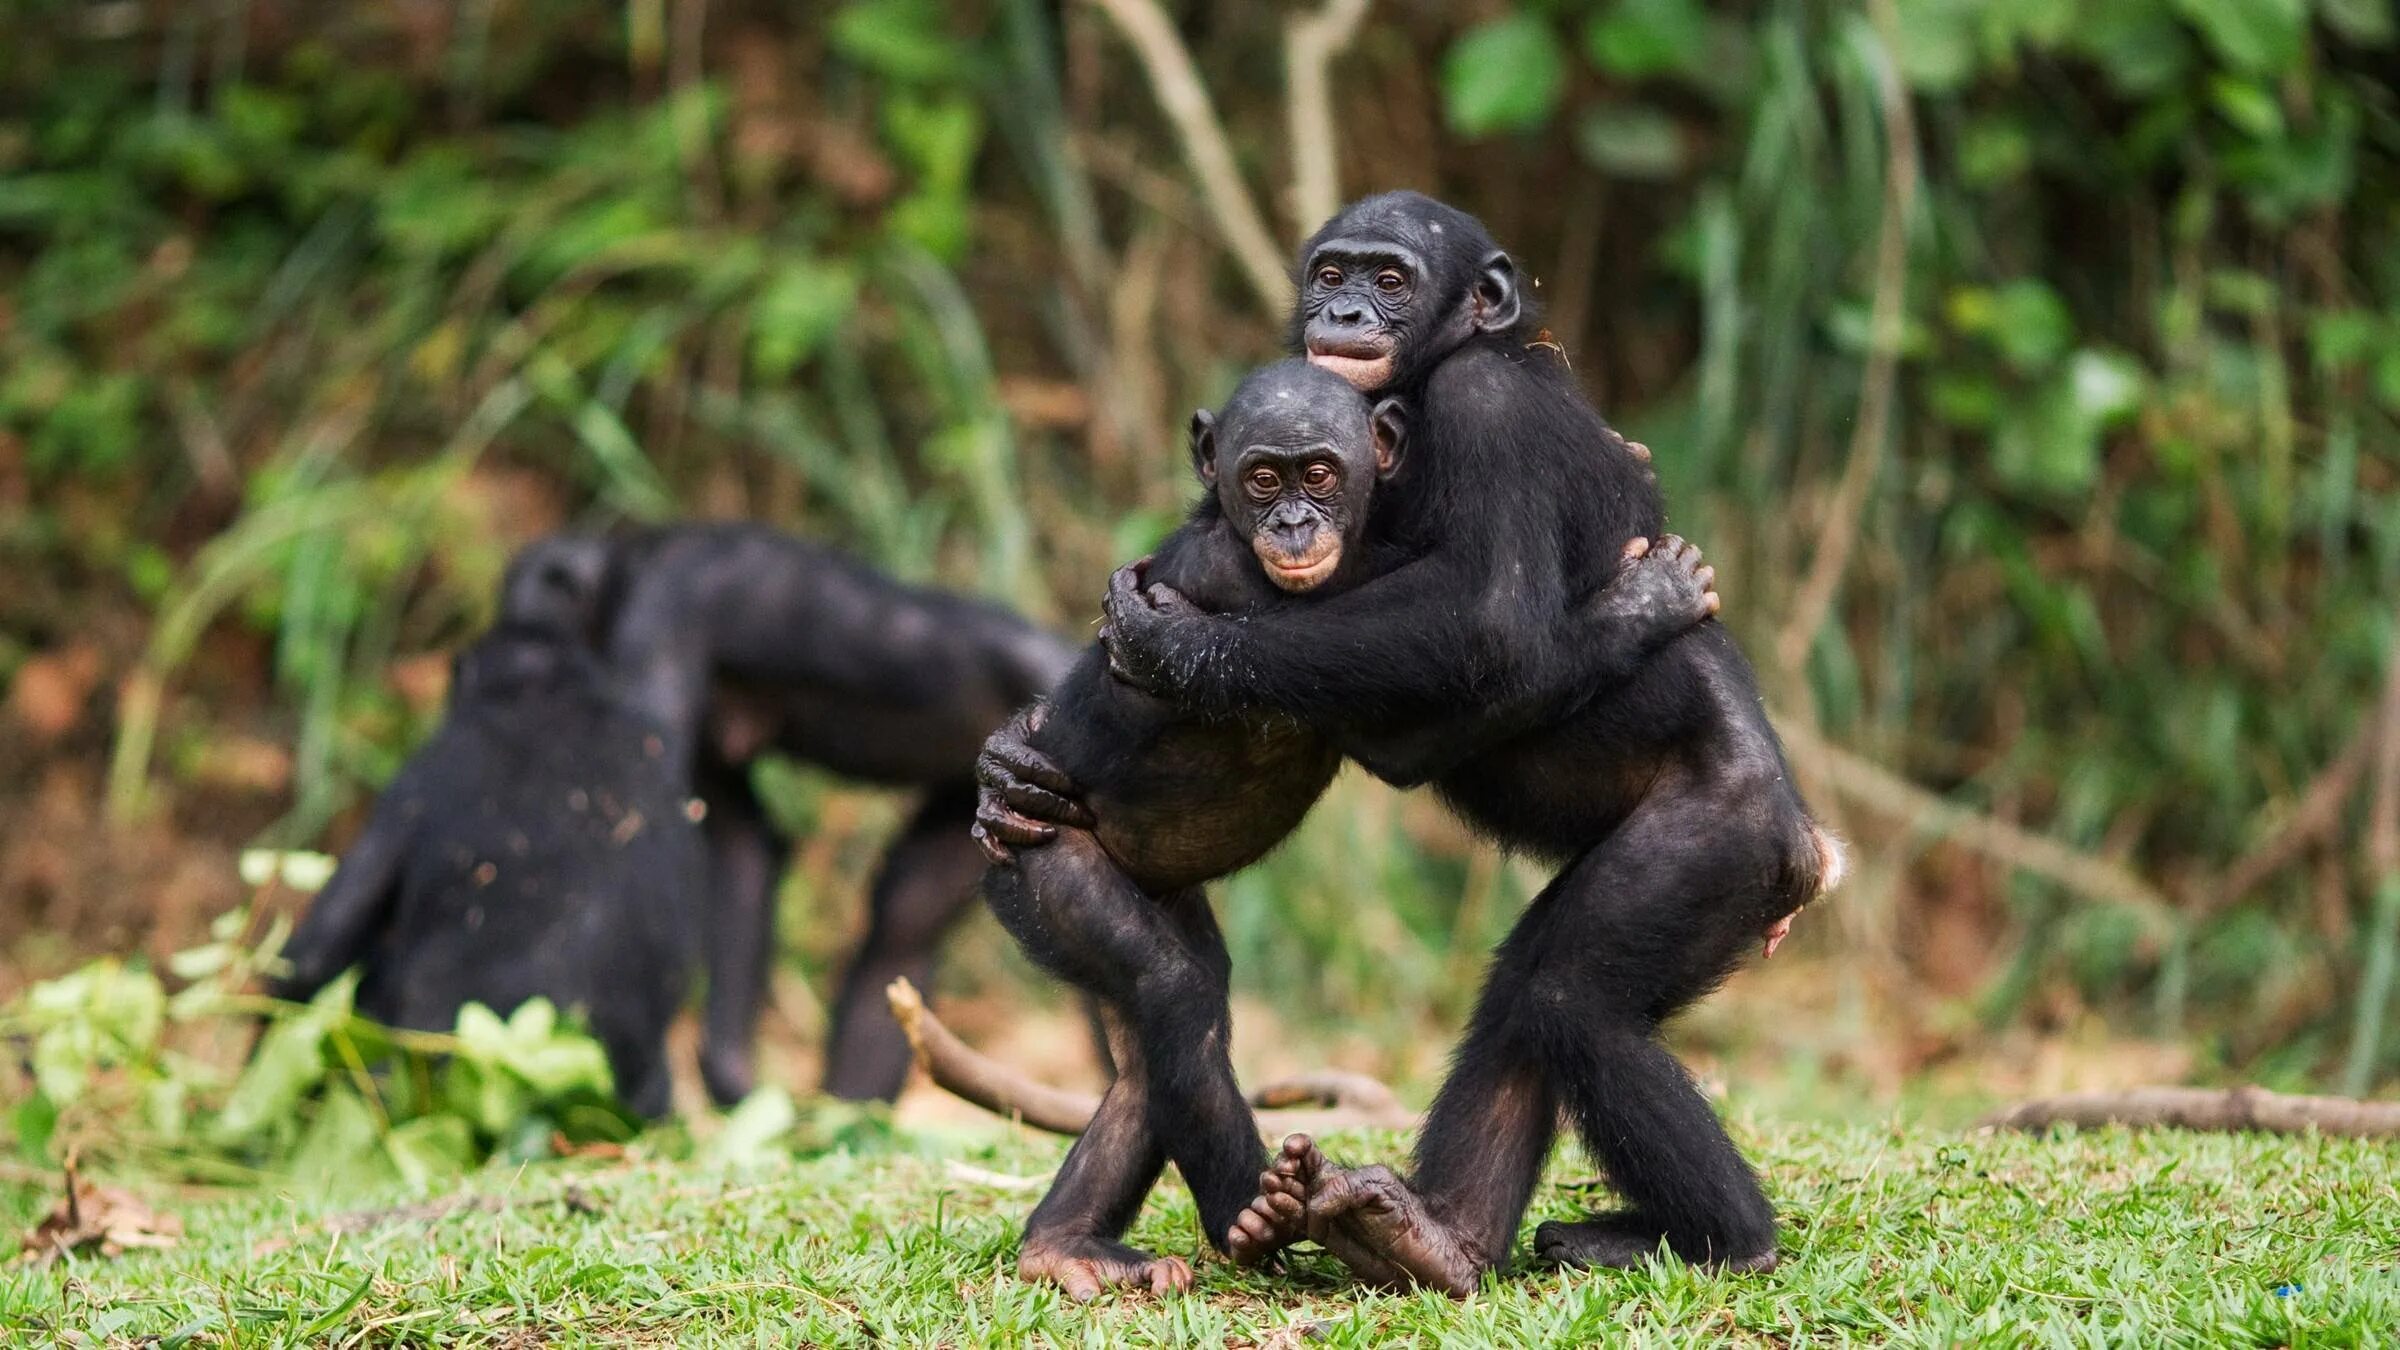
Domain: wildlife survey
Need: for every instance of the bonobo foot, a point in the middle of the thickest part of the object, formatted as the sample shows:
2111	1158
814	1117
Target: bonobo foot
1279	1216
1382	1230
1623	1240
1084	1266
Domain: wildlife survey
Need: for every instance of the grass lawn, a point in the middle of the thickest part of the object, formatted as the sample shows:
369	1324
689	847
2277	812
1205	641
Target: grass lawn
1902	1236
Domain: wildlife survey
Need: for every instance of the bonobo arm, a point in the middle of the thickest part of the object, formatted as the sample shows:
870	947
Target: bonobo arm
1661	592
344	919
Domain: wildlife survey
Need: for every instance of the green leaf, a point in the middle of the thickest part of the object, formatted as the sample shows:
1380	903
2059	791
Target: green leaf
2250	108
2106	386
1503	75
805	301
2030	324
2365	23
2342	339
904	39
1635	38
1630	141
754	1127
1936	47
2258	36
35	1119
340	1141
429	1149
289	1062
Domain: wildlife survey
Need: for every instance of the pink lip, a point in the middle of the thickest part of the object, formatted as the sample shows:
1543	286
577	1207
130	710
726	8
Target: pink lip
1366	374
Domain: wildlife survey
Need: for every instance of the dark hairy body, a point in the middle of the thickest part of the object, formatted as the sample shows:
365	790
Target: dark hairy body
537	845
1169	799
1664	795
740	639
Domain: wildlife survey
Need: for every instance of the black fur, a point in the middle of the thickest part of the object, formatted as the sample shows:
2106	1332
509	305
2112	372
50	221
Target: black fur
740	639
1171	799
537	845
1667	797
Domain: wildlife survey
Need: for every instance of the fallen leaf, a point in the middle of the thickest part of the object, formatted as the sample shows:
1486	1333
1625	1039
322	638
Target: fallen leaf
51	689
106	1217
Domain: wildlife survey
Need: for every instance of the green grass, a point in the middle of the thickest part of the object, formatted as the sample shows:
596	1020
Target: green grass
1903	1236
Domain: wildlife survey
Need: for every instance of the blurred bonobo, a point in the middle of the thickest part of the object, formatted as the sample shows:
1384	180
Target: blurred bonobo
537	845
1664	794
739	639
1169	801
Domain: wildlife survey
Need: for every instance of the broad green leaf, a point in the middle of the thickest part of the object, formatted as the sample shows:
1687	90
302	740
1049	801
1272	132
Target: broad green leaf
1503	75
805	301
1635	38
2258	36
904	39
1936	48
1630	141
2367	23
430	1149
2030	324
754	1127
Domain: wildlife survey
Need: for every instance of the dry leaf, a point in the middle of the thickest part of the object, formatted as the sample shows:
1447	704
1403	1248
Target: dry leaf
107	1217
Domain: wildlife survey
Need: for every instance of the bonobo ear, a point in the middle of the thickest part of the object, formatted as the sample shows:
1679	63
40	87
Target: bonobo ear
1390	424
1204	446
1497	307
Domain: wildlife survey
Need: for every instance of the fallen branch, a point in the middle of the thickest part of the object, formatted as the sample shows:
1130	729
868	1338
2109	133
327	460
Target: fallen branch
2225	1109
1205	147
1342	1100
1927	812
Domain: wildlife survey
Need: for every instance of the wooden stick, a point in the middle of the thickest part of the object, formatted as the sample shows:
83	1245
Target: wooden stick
1310	42
1343	1100
1205	147
2224	1109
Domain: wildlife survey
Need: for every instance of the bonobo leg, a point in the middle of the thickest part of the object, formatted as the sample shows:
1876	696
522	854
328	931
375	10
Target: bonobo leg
1159	965
927	881
1071	1238
1630	933
745	856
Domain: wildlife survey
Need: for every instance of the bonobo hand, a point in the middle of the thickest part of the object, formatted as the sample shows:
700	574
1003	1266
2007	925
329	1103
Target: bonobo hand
1021	798
1663	587
1138	620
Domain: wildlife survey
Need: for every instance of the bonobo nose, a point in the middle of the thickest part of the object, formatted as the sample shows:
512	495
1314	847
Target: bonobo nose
1349	314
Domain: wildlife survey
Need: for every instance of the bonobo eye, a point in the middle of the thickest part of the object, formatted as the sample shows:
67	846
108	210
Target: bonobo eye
1263	483
1329	277
1319	479
1390	280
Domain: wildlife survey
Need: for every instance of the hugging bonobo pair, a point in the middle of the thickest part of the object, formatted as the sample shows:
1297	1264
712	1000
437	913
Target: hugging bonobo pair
1453	586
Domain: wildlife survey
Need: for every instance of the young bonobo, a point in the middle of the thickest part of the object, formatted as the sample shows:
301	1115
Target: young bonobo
1665	796
538	844
740	639
1170	801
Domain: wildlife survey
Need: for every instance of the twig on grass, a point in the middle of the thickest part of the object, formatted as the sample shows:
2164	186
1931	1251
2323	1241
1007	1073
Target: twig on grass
1343	1100
2251	1109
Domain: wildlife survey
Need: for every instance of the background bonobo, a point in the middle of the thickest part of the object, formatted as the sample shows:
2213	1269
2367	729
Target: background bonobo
1666	797
740	639
1171	801
538	844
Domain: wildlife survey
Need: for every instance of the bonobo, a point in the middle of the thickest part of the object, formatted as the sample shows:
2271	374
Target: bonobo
537	845
739	639
1170	801
1665	795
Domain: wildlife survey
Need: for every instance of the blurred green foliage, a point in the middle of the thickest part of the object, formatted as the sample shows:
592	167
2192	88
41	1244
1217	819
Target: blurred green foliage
285	284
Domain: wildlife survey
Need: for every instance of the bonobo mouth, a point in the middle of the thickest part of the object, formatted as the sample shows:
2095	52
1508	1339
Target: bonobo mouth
1364	362
1305	572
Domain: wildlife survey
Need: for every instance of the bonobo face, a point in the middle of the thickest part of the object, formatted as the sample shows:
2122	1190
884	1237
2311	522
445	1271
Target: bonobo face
1294	457
555	585
1394	284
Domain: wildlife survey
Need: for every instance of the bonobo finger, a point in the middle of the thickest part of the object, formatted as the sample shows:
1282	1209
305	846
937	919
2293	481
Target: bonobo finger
1006	763
1707	577
1712	602
1636	547
994	852
1638	450
1041	804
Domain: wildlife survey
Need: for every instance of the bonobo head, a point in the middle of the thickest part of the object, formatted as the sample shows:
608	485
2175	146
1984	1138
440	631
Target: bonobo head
1294	457
1395	283
556	586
